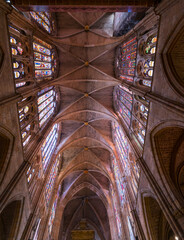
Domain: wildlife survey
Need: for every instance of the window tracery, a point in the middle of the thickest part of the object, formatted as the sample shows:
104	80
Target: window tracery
20	50
48	146
44	60
119	181
126	60
127	159
53	211
51	180
145	66
27	112
133	110
44	19
46	104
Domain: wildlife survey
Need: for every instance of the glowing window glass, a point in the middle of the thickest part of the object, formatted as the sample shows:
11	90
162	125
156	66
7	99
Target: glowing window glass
48	146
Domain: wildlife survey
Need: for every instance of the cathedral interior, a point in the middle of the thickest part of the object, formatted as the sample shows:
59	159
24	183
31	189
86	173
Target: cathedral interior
92	120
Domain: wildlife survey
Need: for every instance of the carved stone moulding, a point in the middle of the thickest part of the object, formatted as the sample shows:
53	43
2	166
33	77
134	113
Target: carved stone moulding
1	57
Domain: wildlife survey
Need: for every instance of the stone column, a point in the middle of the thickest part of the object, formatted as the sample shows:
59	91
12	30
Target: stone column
7	85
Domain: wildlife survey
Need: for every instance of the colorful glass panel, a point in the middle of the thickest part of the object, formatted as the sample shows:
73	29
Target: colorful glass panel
42	19
123	103
119	181
46	105
51	181
122	147
48	146
53	210
44	65
127	60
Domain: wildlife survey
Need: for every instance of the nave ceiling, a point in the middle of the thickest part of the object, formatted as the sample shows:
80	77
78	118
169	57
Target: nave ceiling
86	79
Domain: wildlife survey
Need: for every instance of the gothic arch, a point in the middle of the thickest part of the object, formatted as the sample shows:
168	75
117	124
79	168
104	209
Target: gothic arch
156	223
167	141
10	218
1	57
6	145
173	57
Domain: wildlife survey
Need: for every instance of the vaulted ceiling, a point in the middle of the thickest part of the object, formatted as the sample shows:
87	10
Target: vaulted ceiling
86	80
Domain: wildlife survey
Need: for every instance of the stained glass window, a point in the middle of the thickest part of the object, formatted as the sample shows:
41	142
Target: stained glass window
140	116
46	104
44	19
48	146
53	210
17	51
119	181
122	147
30	173
20	48
51	180
147	49
126	60
44	59
26	108
130	229
123	103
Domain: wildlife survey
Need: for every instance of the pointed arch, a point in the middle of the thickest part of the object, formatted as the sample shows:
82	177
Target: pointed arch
6	146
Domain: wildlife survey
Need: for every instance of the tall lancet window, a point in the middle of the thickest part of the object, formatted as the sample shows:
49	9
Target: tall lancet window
44	19
53	211
130	169
26	109
44	59
133	110
122	147
126	60
119	181
20	49
123	103
145	66
46	104
48	146
51	180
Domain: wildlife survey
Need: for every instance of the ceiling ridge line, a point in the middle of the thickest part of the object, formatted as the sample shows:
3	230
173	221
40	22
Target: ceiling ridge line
69	106
57	38
103	53
96	90
72	89
101	104
111	39
87	80
97	20
99	219
99	169
88	138
73	216
78	130
77	20
67	190
73	55
89	125
66	74
67	138
95	111
107	75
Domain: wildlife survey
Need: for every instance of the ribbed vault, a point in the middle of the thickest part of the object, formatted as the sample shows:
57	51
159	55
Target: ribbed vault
86	80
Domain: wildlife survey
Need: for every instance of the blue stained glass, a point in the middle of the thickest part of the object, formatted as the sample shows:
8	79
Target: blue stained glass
46	105
48	147
53	210
51	181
